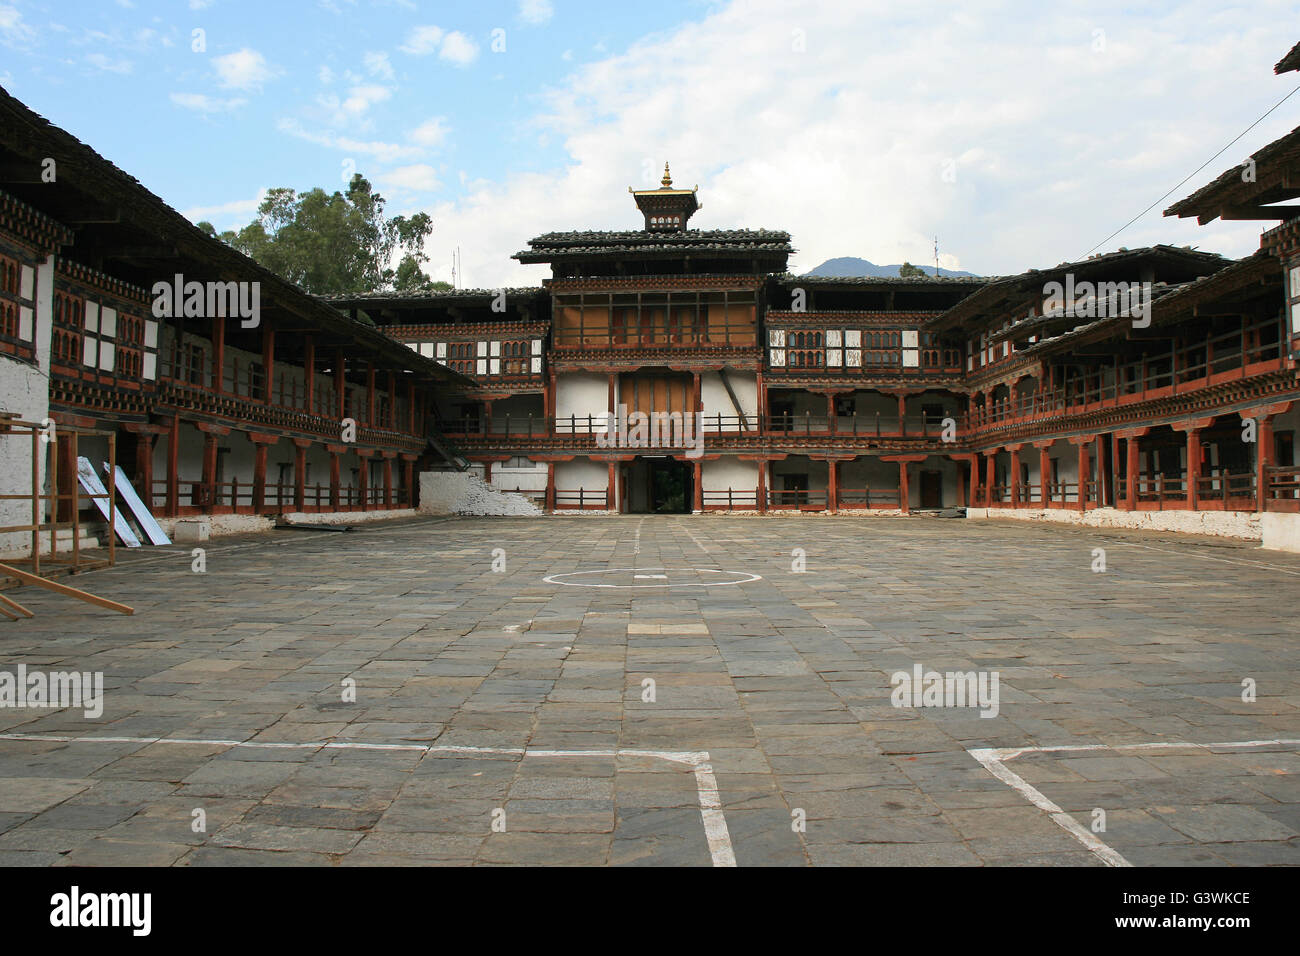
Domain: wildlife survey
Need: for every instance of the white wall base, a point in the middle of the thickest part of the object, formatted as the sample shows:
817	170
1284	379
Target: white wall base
1244	525
1281	531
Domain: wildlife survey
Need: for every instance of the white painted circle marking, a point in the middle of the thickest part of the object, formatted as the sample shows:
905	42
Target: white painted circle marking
736	577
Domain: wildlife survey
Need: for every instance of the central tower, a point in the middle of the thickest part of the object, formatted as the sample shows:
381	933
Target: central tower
666	209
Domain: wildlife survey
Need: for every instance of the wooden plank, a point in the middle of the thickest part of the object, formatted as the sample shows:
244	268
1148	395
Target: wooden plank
142	514
90	481
11	603
28	578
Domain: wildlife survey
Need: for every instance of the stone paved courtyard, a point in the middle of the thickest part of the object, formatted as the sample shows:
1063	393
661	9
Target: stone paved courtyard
500	699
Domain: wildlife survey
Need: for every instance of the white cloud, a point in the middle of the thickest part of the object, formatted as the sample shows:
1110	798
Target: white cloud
325	75
236	213
845	144
245	69
384	152
419	177
536	11
454	47
108	64
459	49
377	63
432	132
202	103
13	31
422	40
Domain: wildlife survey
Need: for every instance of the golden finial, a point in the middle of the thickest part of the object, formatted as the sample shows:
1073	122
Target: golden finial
667	181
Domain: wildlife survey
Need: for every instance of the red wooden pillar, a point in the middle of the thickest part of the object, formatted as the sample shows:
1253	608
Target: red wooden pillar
904	498
363	479
832	485
613	469
1193	469
1131	496
209	470
1045	477
830	412
1263	460
902	413
990	476
762	486
697	485
388	482
961	481
268	361
144	467
300	473
410	410
408	481
1103	472
487	472
1083	476
335	451
974	490
697	393
762	403
1015	476
550	487
173	459
259	476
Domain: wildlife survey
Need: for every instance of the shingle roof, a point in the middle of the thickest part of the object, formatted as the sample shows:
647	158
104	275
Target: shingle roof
27	130
1289	62
1230	185
555	245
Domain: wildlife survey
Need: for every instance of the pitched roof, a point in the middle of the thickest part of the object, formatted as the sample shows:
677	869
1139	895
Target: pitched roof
1234	195
84	176
570	245
1289	62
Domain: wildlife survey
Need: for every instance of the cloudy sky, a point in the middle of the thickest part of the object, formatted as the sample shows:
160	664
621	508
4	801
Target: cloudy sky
1022	134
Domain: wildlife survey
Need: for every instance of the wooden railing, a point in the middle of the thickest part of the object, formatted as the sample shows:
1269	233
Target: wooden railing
237	496
580	499
659	334
1196	365
732	499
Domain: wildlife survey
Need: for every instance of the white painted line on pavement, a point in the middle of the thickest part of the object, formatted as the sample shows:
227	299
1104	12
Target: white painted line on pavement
994	760
715	823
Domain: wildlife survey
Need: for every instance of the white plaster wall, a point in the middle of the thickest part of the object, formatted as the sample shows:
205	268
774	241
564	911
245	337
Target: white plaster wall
580	394
716	401
1245	525
25	392
729	472
1280	532
580	473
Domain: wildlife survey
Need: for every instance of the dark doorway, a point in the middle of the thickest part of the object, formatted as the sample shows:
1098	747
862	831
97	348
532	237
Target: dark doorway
671	486
931	489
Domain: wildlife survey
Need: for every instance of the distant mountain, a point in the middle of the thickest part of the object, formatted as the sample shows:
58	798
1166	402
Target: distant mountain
850	266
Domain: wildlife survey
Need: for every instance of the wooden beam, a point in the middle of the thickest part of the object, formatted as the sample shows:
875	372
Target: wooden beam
11	603
28	578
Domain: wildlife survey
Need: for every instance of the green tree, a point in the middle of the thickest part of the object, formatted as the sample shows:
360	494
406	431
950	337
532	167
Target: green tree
907	271
337	243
